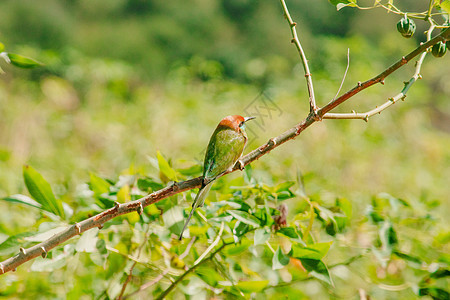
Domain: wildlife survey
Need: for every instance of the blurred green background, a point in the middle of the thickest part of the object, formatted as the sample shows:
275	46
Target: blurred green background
125	78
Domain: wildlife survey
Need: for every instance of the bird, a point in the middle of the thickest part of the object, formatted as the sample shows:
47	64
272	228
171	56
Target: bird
224	149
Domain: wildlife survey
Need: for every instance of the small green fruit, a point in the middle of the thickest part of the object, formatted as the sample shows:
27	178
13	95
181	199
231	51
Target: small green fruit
439	49
406	27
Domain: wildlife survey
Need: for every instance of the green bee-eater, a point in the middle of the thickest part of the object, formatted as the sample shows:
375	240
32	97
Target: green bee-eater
224	149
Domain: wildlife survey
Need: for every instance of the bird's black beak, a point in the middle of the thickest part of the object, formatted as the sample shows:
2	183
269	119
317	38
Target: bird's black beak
248	118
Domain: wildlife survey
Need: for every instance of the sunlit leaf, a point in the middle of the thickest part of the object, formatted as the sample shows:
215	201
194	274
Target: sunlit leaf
23	61
88	241
445	5
252	286
244	217
49	264
165	168
41	191
13	243
98	185
174	220
314	251
237	249
123	195
261	236
22	199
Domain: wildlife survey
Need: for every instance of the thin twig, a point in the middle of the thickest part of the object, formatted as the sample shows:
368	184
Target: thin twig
191	269
178	187
345	73
161	276
130	274
312	100
213	244
400	96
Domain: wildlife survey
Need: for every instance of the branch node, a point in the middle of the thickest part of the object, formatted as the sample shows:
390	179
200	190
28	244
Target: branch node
78	228
359	84
14	270
100	226
392	99
404	60
353	111
382	81
272	142
174	186
308	75
44	252
293	41
240	165
366	118
2	269
116	205
140	209
294	24
23	251
419	76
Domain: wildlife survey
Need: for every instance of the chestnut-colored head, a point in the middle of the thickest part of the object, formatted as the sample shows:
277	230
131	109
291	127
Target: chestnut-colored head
235	122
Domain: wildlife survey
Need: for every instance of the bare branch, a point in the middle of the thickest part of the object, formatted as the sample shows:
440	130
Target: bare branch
444	35
400	96
312	100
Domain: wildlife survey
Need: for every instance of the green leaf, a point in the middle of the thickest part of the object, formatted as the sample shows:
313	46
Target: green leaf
261	236
388	236
408	257
239	230
315	251
208	275
13	243
238	248
244	217
165	168
49	265
434	292
148	184
41	191
252	286
22	199
279	260
445	5
98	185
317	269
194	170
23	61
174	220
284	186
88	241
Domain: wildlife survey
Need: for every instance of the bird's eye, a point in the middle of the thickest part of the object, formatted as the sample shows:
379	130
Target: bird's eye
241	124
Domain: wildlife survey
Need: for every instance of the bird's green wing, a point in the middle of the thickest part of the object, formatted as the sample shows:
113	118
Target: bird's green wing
224	149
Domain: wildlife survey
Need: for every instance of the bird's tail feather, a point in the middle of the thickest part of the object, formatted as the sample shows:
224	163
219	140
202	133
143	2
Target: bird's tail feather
198	202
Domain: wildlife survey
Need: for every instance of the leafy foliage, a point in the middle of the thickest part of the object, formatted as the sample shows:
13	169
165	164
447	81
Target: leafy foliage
260	234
